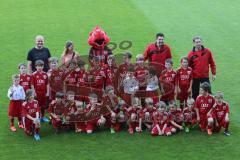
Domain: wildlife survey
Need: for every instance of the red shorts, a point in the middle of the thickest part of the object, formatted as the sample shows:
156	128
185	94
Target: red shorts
91	125
155	132
221	123
42	100
183	96
30	127
191	121
15	108
55	123
168	97
81	125
203	122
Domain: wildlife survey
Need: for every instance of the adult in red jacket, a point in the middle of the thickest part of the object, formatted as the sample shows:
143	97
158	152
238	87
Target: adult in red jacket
157	53
200	58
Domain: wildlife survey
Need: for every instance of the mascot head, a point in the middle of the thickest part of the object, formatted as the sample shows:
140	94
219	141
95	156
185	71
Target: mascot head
98	38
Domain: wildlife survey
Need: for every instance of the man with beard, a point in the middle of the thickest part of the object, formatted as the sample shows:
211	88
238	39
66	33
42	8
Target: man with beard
157	53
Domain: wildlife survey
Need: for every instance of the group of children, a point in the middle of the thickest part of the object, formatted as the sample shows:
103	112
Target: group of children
138	95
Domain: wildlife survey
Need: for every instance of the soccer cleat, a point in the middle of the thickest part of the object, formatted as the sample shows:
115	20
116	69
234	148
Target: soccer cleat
44	119
112	130
13	129
130	130
37	137
187	130
209	131
227	133
20	125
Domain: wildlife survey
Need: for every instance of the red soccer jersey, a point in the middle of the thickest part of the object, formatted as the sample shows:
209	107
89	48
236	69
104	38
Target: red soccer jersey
70	108
71	78
40	81
98	78
169	77
176	115
141	73
219	112
184	77
25	81
189	114
56	78
204	104
157	55
199	61
122	69
81	77
110	72
56	108
160	118
30	108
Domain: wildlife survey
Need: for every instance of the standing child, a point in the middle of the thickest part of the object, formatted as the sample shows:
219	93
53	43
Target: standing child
56	77
130	86
25	79
184	82
122	71
31	115
168	76
220	114
152	90
111	71
41	88
16	95
56	110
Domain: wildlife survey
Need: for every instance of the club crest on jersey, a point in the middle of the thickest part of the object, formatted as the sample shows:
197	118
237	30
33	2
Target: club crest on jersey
209	100
44	76
189	72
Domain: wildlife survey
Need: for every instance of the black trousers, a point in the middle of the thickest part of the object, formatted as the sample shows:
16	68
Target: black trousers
196	86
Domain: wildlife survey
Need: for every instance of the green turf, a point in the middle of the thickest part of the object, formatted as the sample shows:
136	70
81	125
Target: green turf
217	21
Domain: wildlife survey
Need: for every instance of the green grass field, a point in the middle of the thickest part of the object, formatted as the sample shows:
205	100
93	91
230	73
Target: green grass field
217	21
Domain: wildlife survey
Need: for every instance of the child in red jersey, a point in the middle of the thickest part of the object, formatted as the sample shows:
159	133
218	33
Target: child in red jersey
111	101
133	116
175	117
147	113
56	78
56	110
96	76
81	75
31	115
111	71
184	82
25	79
70	110
219	115
168	76
41	88
16	94
189	115
161	121
91	108
203	106
122	71
141	72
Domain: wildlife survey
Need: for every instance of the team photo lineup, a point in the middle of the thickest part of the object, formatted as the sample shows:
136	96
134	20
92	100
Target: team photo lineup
105	93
